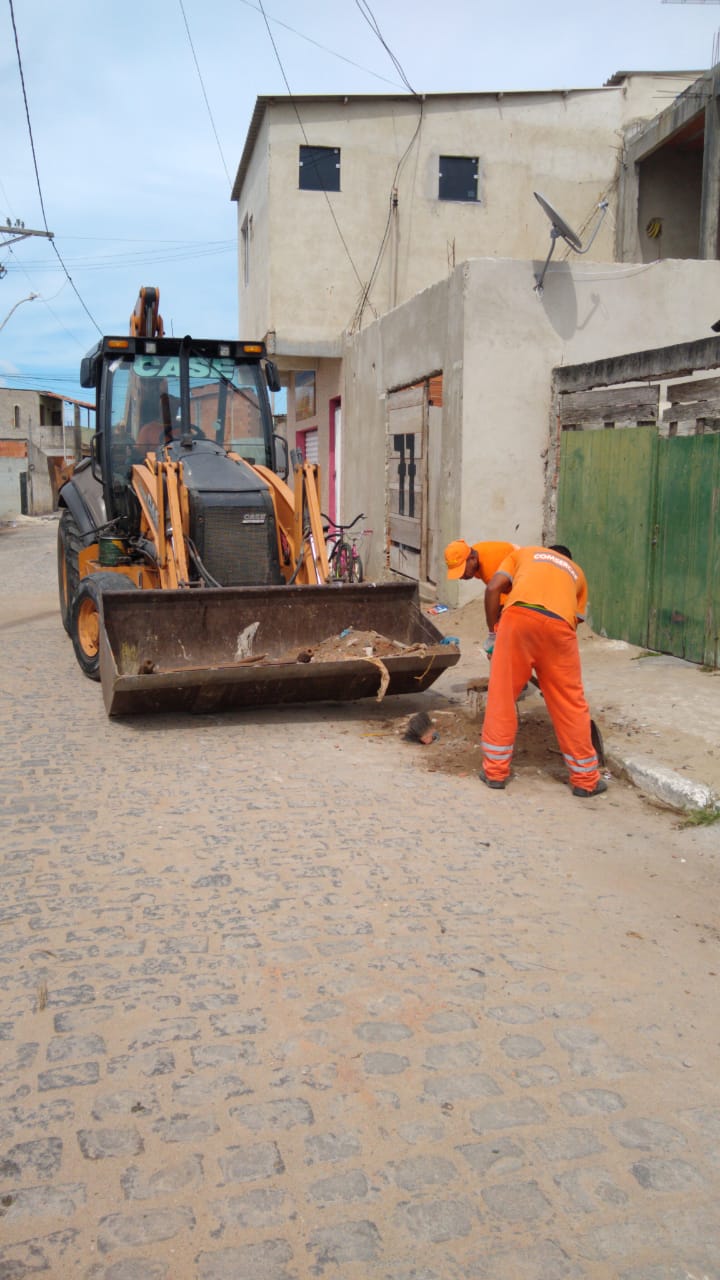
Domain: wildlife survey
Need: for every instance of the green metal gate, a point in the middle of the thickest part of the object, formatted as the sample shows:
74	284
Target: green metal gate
640	514
685	602
606	518
636	453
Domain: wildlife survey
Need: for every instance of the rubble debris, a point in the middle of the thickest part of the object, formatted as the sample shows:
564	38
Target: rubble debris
351	645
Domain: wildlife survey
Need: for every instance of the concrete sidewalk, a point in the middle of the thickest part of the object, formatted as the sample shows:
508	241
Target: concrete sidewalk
659	716
660	719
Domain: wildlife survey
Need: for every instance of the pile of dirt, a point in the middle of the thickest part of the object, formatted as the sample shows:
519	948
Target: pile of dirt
456	750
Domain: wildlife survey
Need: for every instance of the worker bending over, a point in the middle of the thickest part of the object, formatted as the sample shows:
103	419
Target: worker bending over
546	598
481	560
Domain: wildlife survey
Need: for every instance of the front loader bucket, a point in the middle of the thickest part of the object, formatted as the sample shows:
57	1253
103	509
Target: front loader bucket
233	647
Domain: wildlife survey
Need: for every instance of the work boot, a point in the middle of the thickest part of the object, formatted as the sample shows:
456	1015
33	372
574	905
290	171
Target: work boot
597	790
497	784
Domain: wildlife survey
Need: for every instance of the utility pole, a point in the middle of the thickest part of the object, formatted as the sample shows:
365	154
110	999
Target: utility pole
14	231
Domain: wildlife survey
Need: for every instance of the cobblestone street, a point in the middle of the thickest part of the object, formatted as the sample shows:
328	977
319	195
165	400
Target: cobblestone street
277	1002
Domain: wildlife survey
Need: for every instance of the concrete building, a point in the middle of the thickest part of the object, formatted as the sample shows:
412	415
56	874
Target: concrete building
669	188
40	433
347	207
389	248
454	394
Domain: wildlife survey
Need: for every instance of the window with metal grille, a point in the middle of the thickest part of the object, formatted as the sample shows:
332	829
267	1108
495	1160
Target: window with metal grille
319	168
458	178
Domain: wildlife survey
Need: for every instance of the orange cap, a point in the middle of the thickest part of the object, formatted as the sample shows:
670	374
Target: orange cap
456	554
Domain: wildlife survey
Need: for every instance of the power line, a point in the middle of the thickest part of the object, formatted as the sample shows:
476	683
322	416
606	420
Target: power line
372	22
189	244
37	173
202	86
123	261
333	52
357	317
31	380
46	303
307	143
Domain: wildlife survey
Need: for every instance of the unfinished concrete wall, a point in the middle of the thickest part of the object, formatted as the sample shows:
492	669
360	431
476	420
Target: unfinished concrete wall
513	339
387	222
413	342
16	406
647	94
670	187
657	155
497	341
20	412
41	497
253	243
558	143
12	467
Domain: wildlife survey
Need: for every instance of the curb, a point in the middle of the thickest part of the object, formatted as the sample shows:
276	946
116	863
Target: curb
663	784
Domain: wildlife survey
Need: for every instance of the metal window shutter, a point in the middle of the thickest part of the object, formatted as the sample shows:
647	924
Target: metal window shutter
312	452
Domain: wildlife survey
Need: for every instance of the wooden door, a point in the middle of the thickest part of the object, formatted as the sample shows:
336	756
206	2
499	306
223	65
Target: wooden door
407	480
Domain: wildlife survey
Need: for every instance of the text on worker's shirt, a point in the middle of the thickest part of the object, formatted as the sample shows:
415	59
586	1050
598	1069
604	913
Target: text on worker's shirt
558	561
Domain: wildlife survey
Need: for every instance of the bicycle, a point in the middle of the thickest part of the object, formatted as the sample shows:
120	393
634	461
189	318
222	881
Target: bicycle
344	557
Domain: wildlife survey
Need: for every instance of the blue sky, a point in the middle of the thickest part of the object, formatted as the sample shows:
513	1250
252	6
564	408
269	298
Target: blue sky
136	185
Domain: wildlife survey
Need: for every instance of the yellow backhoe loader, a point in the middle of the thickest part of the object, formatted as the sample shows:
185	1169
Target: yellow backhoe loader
192	576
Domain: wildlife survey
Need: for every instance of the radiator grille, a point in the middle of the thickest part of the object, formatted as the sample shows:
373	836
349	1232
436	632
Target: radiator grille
237	554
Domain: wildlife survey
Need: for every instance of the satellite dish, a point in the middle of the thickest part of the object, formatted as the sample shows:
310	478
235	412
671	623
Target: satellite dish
561	230
558	223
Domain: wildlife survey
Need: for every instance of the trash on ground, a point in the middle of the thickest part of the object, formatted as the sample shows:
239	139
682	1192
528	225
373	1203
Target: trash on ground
420	729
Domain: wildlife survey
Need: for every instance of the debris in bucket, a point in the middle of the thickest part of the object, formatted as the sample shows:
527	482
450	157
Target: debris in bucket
420	729
353	644
245	642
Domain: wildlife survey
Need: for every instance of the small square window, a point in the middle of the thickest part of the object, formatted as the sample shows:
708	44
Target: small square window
319	168
458	178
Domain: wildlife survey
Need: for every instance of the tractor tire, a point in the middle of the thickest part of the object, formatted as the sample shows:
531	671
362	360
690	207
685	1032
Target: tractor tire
85	617
69	544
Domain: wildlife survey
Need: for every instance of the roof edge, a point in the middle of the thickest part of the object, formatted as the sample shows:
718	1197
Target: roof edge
619	76
264	100
250	140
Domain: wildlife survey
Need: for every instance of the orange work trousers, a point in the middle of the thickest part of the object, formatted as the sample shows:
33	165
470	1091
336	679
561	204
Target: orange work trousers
528	639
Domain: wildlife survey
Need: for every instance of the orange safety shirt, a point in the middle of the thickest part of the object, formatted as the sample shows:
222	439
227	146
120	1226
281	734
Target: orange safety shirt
490	556
546	580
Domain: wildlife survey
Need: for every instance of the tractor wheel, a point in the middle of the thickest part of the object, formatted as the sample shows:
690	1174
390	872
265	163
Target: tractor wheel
69	543
85	617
